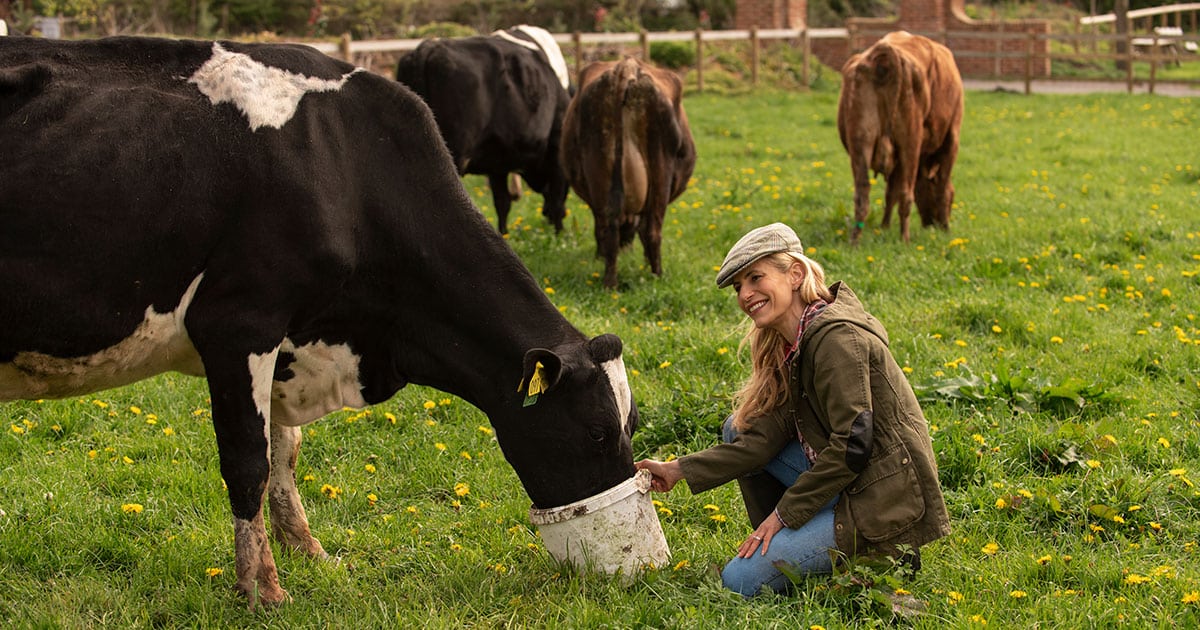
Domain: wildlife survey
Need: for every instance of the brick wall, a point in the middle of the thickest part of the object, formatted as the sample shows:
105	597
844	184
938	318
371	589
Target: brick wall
771	14
932	18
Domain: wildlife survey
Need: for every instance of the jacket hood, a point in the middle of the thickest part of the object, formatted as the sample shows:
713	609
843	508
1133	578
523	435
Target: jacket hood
845	308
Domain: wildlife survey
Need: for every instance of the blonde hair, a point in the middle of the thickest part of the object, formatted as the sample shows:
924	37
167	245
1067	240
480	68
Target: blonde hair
767	389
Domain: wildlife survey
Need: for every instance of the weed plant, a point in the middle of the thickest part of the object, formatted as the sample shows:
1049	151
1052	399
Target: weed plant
1051	334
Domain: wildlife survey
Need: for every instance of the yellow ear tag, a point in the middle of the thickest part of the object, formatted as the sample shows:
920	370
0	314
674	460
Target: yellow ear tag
536	385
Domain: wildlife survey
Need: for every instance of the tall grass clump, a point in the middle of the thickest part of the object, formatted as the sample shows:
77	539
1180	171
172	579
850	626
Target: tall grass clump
1051	335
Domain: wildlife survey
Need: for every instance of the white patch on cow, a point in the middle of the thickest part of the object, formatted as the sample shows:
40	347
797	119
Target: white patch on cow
325	378
159	344
262	373
615	369
267	96
547	44
3	28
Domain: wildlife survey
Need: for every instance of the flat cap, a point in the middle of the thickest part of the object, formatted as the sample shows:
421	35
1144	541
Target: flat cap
759	242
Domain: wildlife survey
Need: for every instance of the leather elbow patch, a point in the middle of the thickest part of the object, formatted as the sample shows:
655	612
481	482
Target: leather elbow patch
862	438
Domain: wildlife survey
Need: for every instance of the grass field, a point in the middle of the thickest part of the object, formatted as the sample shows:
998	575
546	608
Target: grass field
1051	333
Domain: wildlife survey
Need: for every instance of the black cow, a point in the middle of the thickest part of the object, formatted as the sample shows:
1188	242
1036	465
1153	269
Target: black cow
499	101
293	228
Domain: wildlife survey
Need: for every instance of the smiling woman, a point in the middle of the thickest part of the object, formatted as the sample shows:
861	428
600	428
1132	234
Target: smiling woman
827	441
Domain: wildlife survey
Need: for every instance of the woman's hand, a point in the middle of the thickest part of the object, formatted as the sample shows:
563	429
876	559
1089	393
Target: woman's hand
761	536
665	474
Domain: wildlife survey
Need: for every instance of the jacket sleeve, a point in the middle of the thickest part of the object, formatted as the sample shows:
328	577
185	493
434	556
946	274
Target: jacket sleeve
749	452
841	397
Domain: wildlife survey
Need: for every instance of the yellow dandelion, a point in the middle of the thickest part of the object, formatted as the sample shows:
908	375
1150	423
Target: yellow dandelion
132	508
1191	598
213	572
990	549
954	597
485	430
1164	442
1092	463
720	518
979	619
369	468
1017	594
1056	339
456	547
1134	578
1001	503
664	365
331	492
462	489
439	446
372	498
682	564
1044	560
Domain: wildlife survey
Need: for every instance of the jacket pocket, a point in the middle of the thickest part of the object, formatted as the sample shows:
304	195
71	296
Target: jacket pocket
886	500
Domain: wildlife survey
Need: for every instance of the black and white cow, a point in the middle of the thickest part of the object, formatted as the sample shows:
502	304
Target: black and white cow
292	228
499	101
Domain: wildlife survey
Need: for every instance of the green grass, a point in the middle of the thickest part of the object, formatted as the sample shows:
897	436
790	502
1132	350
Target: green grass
1052	333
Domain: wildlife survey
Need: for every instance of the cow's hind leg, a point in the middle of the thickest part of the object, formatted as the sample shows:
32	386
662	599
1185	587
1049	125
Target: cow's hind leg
289	523
498	182
862	196
900	195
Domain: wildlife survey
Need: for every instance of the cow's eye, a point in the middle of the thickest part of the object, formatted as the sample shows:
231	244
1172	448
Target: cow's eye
596	433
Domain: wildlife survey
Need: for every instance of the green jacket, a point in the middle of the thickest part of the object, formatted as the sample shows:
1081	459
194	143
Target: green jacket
854	406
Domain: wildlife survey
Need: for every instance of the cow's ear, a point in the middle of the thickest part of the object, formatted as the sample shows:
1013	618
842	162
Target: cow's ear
606	347
543	369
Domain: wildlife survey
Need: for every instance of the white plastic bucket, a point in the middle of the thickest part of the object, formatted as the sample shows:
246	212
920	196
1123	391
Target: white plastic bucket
616	531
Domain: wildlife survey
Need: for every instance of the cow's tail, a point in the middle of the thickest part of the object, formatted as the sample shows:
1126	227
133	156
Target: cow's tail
616	185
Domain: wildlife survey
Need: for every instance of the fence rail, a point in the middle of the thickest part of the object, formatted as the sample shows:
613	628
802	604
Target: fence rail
1077	48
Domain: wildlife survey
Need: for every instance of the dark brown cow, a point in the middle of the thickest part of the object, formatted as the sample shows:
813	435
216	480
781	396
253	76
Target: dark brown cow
627	151
899	115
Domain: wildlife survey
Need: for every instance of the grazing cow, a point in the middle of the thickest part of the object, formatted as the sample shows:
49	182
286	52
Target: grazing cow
499	102
899	114
628	152
293	229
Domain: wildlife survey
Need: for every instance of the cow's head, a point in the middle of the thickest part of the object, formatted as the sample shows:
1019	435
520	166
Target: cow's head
570	439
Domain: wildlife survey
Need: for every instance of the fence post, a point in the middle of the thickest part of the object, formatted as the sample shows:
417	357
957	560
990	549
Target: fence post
1129	61
1153	63
644	40
699	60
1029	46
754	55
577	39
344	48
805	54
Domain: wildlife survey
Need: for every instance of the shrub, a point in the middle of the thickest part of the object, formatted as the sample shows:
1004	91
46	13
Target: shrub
674	55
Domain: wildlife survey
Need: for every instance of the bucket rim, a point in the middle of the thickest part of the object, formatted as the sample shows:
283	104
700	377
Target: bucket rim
638	483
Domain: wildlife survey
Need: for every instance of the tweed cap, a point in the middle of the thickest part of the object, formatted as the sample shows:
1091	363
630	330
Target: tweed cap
759	242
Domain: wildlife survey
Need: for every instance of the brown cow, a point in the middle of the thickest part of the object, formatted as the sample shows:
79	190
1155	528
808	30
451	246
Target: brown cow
899	115
627	151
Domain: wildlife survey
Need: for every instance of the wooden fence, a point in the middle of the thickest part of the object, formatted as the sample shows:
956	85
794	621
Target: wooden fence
1143	65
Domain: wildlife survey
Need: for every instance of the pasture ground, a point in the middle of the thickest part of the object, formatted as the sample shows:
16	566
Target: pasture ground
1052	334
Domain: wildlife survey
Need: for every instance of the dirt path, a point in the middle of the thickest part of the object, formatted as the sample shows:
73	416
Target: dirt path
1078	87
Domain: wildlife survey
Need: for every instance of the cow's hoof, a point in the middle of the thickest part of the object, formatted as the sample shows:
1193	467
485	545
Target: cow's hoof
267	596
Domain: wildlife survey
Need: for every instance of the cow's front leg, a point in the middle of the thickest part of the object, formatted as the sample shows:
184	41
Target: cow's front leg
289	523
241	397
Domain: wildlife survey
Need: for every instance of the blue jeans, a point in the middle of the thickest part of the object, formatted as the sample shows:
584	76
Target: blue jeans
804	549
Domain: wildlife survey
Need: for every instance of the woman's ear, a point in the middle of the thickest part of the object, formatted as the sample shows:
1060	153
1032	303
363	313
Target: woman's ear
796	275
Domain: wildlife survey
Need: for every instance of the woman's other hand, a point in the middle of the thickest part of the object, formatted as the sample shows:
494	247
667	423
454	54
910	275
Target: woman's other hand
761	536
